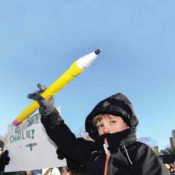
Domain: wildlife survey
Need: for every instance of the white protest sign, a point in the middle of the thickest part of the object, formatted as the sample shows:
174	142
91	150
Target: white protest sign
30	148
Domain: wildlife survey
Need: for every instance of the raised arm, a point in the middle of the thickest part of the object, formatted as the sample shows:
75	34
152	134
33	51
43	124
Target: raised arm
75	148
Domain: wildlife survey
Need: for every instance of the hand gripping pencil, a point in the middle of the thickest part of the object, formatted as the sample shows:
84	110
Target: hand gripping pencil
75	69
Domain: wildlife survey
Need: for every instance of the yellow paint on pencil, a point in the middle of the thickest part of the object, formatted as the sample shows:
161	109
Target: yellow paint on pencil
75	69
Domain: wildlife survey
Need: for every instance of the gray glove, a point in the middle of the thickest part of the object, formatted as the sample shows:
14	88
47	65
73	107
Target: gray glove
46	107
49	114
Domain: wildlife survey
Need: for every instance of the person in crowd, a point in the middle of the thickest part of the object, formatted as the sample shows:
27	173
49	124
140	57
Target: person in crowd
112	125
4	158
63	170
36	172
68	171
51	171
171	167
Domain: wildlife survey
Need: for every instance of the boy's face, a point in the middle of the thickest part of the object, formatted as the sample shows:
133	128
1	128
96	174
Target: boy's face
110	124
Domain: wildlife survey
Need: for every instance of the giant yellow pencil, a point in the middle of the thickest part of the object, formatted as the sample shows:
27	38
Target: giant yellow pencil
75	69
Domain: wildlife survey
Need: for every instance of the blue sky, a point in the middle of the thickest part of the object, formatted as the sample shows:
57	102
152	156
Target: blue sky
40	39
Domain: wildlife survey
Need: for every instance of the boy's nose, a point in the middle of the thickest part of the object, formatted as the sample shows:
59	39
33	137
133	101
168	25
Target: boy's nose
106	130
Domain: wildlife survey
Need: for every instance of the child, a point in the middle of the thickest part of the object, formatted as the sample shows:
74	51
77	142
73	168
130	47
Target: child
112	126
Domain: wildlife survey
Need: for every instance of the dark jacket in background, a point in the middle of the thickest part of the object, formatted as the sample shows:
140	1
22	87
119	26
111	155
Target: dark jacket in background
13	173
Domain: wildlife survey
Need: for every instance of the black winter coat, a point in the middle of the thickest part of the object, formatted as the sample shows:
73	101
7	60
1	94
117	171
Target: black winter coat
126	155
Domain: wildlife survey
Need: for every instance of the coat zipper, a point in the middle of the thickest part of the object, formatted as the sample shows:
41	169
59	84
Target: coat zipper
127	154
105	145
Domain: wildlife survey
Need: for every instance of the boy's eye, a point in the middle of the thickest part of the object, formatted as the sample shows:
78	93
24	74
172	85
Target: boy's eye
100	126
112	122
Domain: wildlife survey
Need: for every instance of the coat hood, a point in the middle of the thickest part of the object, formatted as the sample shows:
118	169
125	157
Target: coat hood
117	104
